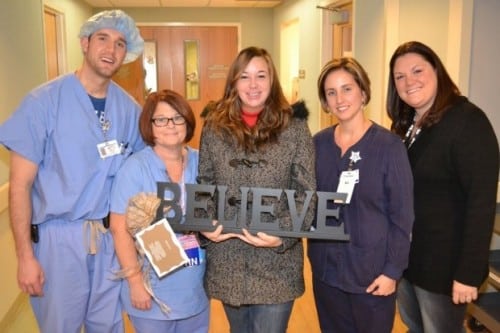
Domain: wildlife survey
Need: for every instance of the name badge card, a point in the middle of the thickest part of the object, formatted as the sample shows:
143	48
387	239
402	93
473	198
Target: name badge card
192	248
346	183
162	248
108	148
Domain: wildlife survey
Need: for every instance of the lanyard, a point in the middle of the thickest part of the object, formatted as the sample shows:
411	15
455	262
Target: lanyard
410	137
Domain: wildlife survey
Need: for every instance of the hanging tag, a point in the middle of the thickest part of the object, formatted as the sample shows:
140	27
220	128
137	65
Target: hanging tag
346	183
162	248
108	148
192	248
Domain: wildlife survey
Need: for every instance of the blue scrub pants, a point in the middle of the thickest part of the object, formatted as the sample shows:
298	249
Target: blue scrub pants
425	311
196	324
259	318
78	290
342	312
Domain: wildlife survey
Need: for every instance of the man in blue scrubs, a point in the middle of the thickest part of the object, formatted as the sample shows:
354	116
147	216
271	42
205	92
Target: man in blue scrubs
67	140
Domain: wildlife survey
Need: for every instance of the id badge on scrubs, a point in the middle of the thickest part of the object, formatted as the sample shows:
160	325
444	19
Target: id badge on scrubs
348	179
108	148
192	248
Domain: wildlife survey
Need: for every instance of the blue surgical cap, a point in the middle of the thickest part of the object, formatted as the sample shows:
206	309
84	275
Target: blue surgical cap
116	19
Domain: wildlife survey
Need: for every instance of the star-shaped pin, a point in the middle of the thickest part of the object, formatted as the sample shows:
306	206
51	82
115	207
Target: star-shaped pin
355	156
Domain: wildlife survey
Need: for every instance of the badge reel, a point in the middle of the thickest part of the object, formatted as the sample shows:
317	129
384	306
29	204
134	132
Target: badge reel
107	148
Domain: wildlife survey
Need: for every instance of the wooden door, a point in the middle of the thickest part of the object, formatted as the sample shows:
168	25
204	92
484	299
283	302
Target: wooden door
217	48
54	51
131	78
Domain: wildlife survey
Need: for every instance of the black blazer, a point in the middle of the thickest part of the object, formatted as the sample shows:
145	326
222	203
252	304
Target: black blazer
455	165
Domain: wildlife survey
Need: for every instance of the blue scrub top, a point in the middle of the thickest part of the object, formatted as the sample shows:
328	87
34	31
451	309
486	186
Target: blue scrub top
182	290
56	128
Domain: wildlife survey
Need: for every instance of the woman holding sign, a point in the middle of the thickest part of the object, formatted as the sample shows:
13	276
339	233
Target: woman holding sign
253	138
177	301
354	282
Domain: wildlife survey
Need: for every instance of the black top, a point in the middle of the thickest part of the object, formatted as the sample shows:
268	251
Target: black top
455	166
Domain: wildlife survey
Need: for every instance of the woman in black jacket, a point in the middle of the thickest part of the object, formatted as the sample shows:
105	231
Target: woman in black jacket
453	152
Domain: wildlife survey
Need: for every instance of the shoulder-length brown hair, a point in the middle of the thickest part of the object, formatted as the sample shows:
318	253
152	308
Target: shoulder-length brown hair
401	113
351	66
177	102
225	115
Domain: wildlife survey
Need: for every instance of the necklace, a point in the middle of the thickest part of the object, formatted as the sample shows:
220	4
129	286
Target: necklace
178	159
411	136
175	175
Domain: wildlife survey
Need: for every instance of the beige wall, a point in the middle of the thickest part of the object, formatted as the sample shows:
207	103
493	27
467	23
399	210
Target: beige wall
379	26
21	43
309	18
368	49
8	284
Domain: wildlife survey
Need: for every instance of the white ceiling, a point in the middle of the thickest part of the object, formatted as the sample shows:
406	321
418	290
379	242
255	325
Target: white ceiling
184	3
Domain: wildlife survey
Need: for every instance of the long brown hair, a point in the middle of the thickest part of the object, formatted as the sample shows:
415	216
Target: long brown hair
225	115
401	113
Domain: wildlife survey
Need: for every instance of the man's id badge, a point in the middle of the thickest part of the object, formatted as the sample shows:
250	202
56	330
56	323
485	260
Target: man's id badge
108	148
346	183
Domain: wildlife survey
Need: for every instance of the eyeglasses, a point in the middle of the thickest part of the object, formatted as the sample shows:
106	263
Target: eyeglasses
163	121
